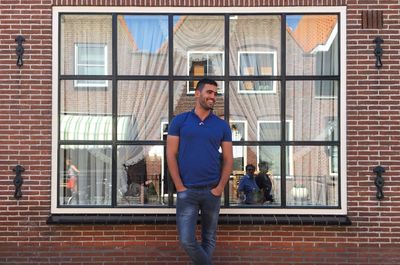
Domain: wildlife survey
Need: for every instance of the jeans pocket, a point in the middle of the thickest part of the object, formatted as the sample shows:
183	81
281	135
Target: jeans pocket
215	196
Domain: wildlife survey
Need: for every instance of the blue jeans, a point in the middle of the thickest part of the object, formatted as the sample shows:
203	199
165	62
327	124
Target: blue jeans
188	205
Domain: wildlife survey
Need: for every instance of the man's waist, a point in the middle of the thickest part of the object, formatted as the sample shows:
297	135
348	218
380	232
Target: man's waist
202	186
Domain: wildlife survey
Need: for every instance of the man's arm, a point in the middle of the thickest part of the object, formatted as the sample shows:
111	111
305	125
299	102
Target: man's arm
227	156
172	152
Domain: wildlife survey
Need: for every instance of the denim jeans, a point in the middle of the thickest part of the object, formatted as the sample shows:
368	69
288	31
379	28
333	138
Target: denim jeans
188	205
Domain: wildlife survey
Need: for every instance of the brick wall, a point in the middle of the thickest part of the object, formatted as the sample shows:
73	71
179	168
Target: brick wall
373	116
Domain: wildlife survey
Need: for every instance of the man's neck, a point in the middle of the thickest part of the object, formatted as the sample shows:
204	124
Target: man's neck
201	113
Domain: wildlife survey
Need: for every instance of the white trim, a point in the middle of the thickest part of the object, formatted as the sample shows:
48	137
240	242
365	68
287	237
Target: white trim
289	129
222	88
343	111
240	10
245	138
191	10
54	120
76	65
275	72
325	47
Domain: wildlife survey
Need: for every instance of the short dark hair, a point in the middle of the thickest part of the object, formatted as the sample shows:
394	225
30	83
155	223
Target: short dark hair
203	82
250	166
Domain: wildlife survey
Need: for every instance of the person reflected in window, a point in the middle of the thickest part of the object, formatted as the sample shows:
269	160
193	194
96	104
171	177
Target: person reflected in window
194	161
249	192
72	176
265	182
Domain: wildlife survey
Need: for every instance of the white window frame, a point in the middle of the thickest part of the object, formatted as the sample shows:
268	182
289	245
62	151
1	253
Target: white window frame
220	89
340	10
244	137
275	72
88	83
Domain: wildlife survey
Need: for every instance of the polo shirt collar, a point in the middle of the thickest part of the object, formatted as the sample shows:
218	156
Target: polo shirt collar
209	115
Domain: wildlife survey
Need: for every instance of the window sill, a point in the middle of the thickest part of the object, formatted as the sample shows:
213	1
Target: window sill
224	219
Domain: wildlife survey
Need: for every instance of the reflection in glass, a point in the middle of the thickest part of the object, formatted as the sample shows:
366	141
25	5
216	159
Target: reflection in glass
85	113
254	108
185	102
204	63
142	106
142	45
86	100
239	133
200	35
85	175
255	46
312	45
257	156
141	175
314	118
312	182
85	47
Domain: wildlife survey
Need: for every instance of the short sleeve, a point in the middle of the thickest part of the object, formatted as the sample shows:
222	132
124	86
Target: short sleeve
227	133
174	127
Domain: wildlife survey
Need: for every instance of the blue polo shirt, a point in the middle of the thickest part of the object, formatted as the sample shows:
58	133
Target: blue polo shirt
199	159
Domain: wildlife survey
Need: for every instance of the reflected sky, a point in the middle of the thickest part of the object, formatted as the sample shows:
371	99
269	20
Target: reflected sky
149	32
293	21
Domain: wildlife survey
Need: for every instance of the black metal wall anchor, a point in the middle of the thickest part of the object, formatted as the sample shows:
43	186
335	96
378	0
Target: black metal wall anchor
20	50
379	182
18	180
378	52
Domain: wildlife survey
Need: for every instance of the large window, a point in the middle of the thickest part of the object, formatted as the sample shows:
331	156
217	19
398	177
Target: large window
282	89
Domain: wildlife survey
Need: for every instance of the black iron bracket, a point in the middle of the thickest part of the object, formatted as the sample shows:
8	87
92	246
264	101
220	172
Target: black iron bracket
379	181
378	52
18	180
19	50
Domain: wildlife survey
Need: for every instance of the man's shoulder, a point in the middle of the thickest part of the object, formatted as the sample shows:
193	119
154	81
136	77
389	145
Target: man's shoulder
182	115
220	121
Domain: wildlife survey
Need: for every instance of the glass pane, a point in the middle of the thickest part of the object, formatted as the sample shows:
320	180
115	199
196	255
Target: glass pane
263	188
141	175
91	54
255	45
254	109
310	181
90	70
201	36
312	45
314	118
85	175
85	112
142	108
142	45
184	100
78	34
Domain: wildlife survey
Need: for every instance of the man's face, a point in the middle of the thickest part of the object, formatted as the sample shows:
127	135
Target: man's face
207	96
250	171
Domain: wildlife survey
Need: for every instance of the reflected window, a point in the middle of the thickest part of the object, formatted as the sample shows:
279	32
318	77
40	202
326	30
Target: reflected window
257	64
90	59
239	133
203	64
333	151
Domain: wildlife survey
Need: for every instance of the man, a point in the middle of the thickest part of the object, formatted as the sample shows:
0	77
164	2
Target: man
194	162
248	189
265	182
